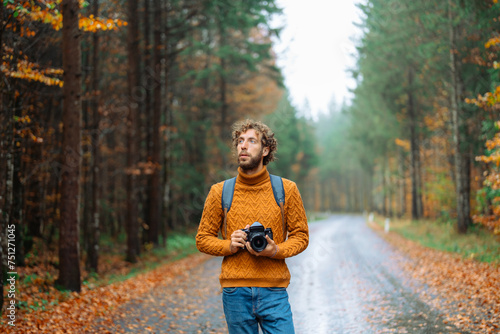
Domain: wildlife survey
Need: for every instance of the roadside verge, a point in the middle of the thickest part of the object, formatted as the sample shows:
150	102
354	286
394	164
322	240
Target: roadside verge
77	314
465	290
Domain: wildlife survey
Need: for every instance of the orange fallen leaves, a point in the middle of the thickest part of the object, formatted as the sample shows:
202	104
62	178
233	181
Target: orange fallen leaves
75	314
467	291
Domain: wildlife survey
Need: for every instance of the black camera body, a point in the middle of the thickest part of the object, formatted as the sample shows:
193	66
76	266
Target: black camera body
256	236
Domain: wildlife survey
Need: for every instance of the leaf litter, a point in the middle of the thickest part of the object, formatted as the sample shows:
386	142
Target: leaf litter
465	291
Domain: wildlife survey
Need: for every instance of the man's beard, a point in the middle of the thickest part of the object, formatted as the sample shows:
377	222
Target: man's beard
253	163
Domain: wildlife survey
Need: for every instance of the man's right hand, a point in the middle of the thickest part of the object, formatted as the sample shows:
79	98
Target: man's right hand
238	239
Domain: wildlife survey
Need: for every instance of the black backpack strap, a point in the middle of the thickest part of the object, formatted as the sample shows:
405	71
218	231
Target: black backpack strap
279	196
227	199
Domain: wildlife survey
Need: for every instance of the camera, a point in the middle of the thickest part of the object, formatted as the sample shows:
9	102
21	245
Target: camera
256	236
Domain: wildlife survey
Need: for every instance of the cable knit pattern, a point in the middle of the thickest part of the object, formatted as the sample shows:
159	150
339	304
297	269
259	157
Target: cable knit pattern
254	201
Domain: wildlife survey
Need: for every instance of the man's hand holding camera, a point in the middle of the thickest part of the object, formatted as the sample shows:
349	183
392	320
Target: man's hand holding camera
270	250
259	244
238	240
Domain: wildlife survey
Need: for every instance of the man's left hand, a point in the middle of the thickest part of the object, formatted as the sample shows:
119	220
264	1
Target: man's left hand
269	251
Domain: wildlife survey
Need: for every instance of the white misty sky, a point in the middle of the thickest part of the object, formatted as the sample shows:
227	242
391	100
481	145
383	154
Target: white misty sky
314	51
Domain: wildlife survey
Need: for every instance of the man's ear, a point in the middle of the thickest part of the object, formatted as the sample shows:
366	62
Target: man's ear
265	151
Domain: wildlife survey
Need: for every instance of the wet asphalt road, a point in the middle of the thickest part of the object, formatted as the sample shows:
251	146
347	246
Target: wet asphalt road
349	280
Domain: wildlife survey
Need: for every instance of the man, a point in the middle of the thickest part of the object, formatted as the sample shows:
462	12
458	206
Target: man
254	283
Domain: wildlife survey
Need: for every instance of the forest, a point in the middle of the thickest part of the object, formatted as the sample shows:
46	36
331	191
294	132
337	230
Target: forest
116	119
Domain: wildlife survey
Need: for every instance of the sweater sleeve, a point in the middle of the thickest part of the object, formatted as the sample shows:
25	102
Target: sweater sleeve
207	240
296	222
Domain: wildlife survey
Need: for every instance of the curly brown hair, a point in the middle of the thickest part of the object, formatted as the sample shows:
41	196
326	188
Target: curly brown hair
267	136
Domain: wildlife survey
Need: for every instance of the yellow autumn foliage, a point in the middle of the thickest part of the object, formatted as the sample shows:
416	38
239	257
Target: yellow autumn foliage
27	70
51	15
405	144
45	11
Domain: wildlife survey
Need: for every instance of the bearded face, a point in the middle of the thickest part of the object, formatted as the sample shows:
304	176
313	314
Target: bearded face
250	151
249	162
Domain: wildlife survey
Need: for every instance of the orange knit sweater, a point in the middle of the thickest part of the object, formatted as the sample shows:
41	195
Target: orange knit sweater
253	201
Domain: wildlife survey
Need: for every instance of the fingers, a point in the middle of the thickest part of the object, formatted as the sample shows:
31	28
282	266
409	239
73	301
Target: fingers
238	239
270	241
250	249
239	235
269	251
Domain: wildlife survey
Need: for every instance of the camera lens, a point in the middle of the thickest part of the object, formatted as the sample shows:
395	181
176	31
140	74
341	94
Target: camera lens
258	243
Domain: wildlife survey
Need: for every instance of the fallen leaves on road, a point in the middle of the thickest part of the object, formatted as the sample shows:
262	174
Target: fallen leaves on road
187	303
466	291
76	314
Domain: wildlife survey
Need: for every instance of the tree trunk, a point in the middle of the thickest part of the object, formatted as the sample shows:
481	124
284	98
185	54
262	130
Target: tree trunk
133	58
5	157
420	203
17	208
389	188
223	100
414	150
69	257
85	221
93	249
347	192
168	205
112	184
461	160
402	182
34	195
149	84
155	197
224	131
384	186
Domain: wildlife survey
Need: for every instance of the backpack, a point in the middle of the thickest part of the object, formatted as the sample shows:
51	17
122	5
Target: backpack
278	191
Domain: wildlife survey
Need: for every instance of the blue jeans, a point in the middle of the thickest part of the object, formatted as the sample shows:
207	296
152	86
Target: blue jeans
246	308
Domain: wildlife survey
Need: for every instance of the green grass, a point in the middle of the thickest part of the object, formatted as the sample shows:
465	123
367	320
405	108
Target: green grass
316	216
478	243
35	284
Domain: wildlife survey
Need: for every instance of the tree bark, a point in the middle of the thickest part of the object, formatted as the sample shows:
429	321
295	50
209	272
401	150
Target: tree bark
155	194
168	206
93	249
17	208
402	182
384	186
414	150
461	159
133	58
5	154
85	221
69	252
149	84
224	106
389	188
34	195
